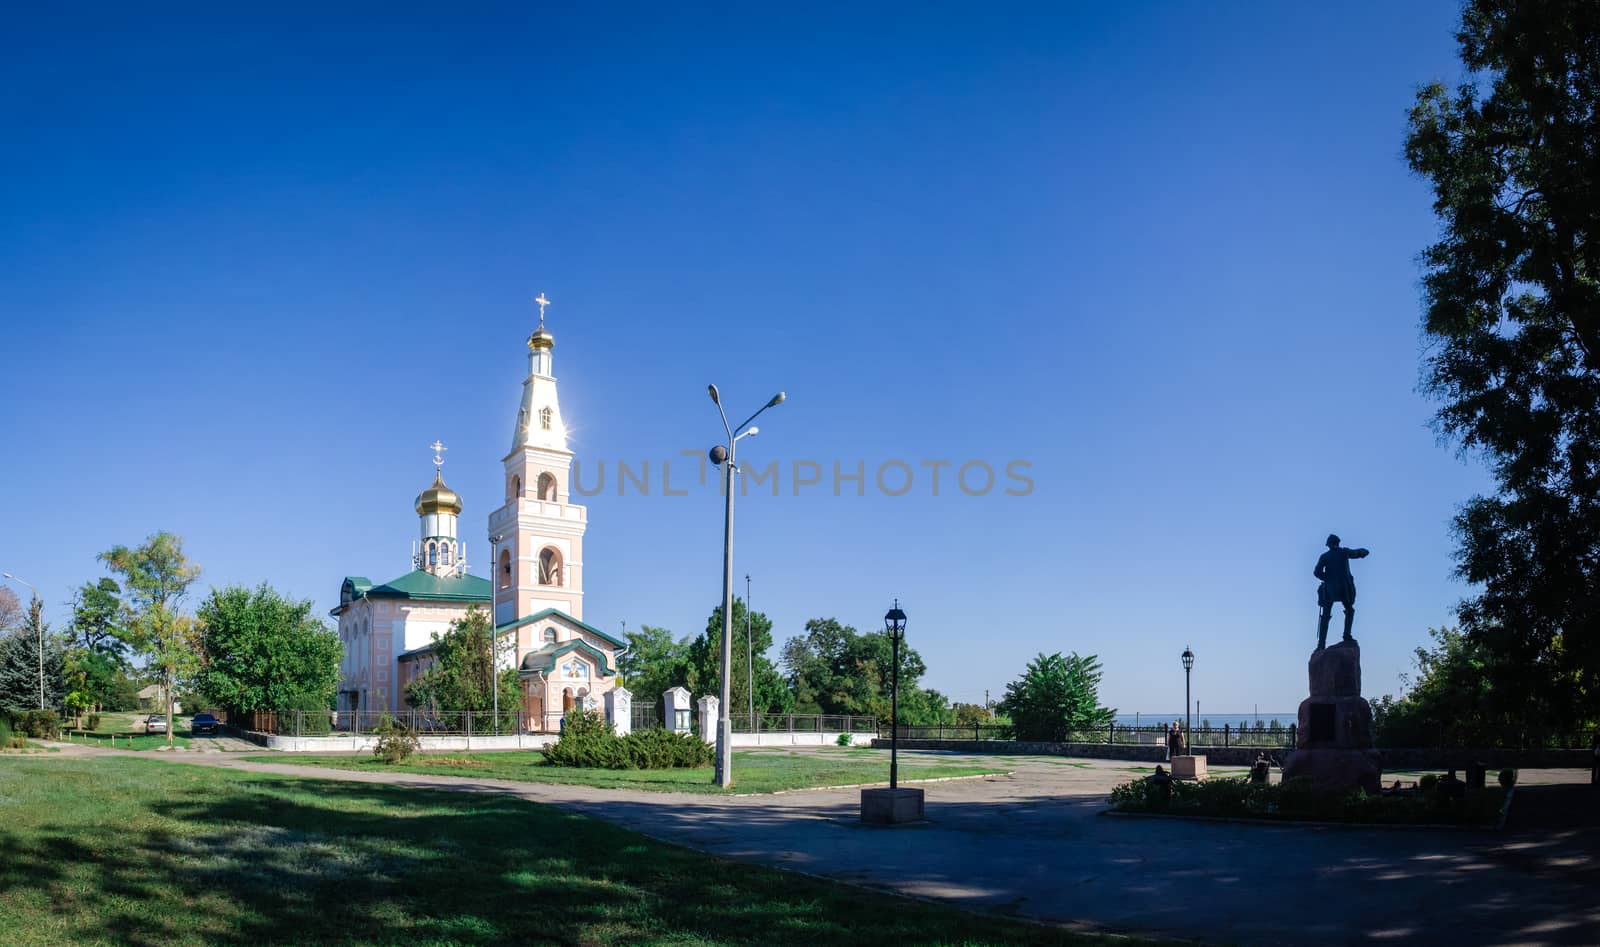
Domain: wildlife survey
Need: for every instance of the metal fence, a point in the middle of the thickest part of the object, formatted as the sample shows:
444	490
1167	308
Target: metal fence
338	723
1282	738
803	723
301	723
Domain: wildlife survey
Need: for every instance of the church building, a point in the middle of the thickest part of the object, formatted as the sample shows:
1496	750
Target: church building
535	597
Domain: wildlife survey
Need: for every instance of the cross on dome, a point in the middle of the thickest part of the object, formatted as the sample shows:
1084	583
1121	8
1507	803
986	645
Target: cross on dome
438	455
543	302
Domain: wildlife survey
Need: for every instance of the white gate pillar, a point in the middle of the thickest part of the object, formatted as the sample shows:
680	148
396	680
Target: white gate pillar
708	718
619	710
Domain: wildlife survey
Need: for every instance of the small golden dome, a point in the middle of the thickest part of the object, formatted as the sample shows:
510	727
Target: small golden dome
541	339
438	498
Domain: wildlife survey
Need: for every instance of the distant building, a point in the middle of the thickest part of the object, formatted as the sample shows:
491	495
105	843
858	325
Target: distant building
536	599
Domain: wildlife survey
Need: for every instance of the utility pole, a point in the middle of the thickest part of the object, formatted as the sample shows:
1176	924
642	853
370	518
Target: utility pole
749	659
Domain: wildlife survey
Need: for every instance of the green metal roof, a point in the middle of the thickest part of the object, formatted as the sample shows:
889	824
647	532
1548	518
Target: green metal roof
426	586
545	658
558	613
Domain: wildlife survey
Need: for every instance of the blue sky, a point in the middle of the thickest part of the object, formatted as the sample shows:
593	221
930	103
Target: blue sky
1164	254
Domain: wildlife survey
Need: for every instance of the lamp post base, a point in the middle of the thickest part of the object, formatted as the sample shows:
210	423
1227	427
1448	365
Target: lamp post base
891	806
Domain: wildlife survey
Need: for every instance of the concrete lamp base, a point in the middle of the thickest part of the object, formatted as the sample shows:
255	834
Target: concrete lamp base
891	806
1188	767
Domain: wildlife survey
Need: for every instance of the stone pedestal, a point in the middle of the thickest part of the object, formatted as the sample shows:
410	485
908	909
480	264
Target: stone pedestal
1188	767
1333	740
891	806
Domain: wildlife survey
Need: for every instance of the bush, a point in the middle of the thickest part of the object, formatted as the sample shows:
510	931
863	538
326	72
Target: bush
842	739
1508	778
92	722
588	741
396	741
10	740
1428	783
664	749
1298	800
316	720
40	724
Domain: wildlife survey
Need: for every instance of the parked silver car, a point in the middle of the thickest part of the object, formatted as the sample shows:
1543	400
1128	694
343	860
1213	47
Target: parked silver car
155	723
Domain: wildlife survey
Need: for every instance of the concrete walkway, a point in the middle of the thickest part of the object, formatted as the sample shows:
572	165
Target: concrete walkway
1036	844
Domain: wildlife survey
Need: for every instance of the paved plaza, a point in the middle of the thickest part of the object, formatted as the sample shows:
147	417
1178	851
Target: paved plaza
1037	844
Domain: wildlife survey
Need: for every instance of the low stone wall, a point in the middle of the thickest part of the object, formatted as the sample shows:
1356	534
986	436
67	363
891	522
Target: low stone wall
524	741
1422	758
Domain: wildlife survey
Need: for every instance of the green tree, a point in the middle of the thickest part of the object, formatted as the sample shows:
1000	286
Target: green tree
653	663
1056	696
99	620
156	576
967	715
704	664
833	669
262	651
20	655
461	678
1512	326
1450	701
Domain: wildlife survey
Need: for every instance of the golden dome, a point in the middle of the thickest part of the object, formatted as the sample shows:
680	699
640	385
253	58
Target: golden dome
541	339
438	498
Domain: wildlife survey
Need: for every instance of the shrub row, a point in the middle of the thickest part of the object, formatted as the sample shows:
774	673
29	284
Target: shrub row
587	740
1298	800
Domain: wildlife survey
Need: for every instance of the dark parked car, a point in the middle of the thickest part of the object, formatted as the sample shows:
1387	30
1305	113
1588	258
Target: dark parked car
203	723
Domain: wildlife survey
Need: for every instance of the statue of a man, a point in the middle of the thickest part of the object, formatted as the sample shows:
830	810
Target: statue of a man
1333	568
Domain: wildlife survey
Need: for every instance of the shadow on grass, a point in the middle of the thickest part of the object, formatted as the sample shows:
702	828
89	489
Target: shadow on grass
202	856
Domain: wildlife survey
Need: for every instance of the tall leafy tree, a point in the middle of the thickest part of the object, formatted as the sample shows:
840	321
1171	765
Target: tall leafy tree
462	676
1055	696
704	663
156	577
99	619
834	669
654	662
10	610
1512	296
262	651
1447	702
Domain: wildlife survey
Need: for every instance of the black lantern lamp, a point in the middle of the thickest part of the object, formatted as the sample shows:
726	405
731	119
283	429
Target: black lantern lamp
894	622
1188	665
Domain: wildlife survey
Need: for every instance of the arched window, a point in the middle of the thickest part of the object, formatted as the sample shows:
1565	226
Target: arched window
549	636
547	487
516	486
544	418
549	567
433	554
505	568
444	553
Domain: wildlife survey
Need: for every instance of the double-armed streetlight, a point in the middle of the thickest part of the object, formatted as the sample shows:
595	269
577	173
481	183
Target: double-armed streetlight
1188	665
894	622
723	456
35	608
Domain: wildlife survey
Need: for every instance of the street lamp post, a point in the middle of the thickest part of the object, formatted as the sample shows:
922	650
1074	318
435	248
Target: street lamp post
894	622
494	633
723	455
35	610
749	654
1188	665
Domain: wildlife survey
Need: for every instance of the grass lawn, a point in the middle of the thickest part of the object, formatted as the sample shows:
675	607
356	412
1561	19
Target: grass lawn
128	730
763	770
117	851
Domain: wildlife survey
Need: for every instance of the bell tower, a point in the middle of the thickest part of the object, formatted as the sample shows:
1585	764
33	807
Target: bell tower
537	535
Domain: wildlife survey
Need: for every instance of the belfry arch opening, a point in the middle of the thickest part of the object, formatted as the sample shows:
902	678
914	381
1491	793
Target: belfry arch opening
549	567
547	487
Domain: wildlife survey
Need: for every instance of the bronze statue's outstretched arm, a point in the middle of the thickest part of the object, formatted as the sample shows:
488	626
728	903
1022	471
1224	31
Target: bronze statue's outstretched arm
1359	553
